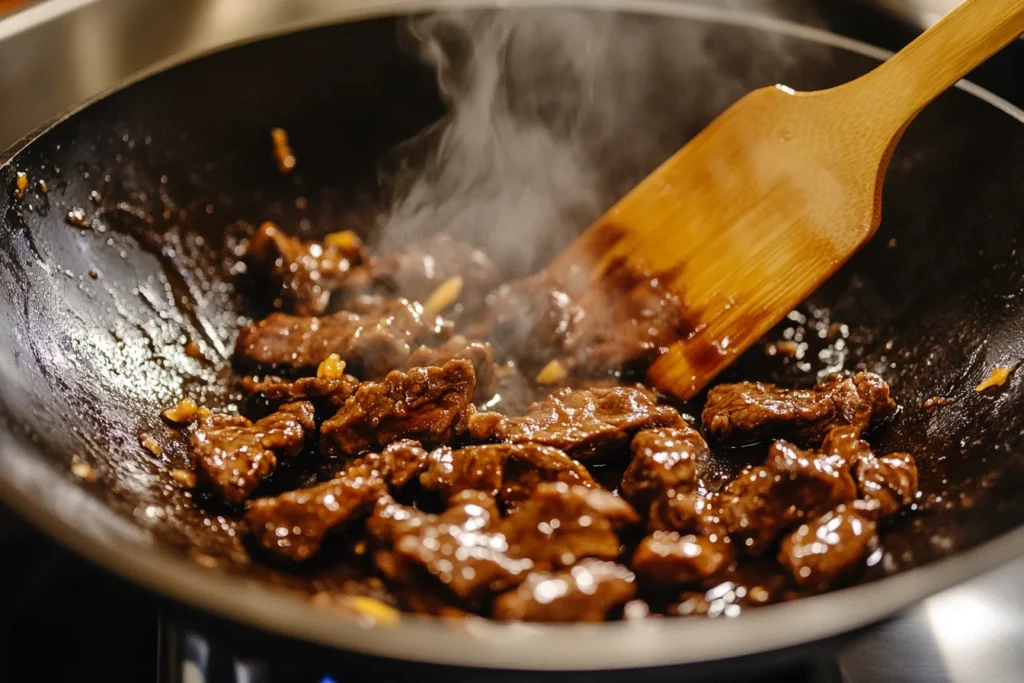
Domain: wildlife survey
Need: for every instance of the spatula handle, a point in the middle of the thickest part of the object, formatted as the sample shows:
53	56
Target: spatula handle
964	38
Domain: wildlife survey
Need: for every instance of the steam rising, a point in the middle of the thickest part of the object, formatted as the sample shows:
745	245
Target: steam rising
553	115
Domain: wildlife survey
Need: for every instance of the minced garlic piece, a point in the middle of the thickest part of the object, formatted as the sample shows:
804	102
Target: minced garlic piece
996	378
83	471
553	373
20	185
185	478
346	240
446	294
150	444
333	367
185	412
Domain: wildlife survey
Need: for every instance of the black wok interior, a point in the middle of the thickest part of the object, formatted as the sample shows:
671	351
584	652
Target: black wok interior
97	318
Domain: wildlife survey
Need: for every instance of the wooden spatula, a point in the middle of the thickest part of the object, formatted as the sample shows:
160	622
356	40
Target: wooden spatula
761	207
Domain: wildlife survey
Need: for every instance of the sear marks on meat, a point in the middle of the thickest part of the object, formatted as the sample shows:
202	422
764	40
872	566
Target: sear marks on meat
886	483
792	486
749	412
305	273
479	354
664	460
462	549
561	524
665	558
429	404
326	395
824	549
294	524
416	271
233	455
588	424
589	591
510	472
688	513
371	344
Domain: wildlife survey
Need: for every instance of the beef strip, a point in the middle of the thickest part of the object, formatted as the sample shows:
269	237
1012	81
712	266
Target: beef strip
823	550
589	591
691	512
792	486
588	424
430	404
269	392
664	460
371	344
749	412
462	549
665	558
886	483
561	524
479	354
294	524
232	455
510	472
305	273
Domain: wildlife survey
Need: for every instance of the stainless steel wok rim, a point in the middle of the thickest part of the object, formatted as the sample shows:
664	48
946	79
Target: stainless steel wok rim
477	642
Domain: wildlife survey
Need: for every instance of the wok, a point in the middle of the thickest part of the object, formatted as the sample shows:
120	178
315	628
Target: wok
180	159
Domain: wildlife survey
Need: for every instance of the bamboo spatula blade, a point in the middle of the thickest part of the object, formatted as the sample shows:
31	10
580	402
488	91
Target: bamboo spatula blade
768	201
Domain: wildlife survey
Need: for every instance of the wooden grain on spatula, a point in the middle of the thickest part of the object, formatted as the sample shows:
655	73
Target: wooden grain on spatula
767	202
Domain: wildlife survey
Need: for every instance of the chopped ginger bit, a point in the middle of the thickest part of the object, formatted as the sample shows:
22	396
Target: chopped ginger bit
282	152
553	373
373	608
996	378
333	367
150	444
20	185
183	413
446	294
185	478
203	412
346	240
83	471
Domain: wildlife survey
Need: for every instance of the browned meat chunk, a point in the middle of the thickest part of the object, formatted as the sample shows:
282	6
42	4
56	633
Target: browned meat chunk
585	423
233	455
590	591
326	395
477	353
749	412
430	404
371	344
824	549
294	524
461	548
888	483
663	460
688	513
508	471
304	272
666	558
792	486
750	583
561	524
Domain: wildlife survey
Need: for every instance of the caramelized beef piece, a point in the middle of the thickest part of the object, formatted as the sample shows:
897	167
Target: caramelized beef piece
461	548
824	549
750	583
371	344
294	524
888	483
326	395
587	592
233	455
587	424
391	520
688	513
508	471
792	486
561	524
430	404
416	271
305	273
456	348
665	558
663	460
748	412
